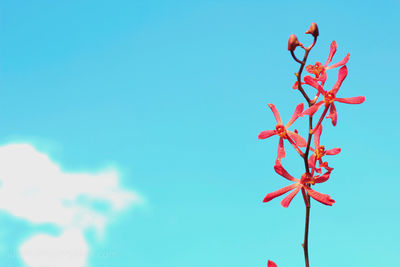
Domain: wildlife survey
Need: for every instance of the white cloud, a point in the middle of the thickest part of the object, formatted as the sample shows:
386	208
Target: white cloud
67	250
35	188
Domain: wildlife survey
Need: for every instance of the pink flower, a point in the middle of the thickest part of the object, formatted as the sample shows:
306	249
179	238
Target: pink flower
330	96
283	132
271	264
319	70
319	152
303	184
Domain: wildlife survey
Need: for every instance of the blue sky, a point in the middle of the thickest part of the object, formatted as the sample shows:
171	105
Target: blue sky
165	99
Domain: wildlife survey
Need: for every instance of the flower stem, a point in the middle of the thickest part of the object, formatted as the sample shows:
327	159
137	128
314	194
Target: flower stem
305	155
305	244
302	64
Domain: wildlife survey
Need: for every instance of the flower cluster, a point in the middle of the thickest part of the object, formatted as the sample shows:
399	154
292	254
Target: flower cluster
313	157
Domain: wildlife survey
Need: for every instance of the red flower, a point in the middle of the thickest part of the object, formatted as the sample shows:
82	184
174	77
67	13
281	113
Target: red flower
271	264
330	96
319	152
319	70
303	184
283	133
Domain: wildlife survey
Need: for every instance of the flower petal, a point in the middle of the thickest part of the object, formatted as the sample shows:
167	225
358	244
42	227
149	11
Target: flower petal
276	113
266	134
271	264
281	150
281	171
296	114
333	151
322	178
323	198
311	161
322	78
311	110
310	69
318	170
324	165
312	82
342	75
331	53
340	63
278	192
332	114
351	100
300	141
295	85
317	135
286	201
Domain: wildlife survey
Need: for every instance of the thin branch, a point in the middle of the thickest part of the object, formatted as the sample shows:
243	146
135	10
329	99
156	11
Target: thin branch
295	58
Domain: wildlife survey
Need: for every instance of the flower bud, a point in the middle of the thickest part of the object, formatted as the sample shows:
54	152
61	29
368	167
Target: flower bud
293	42
313	30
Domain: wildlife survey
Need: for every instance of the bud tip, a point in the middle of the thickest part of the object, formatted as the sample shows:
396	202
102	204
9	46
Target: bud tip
293	42
313	30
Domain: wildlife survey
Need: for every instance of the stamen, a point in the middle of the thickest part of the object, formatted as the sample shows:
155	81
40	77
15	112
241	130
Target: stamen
281	130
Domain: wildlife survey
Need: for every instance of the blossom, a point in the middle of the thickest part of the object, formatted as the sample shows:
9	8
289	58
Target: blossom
319	152
319	70
330	96
302	184
283	132
271	264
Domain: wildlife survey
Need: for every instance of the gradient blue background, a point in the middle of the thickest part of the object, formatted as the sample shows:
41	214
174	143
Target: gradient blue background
175	94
